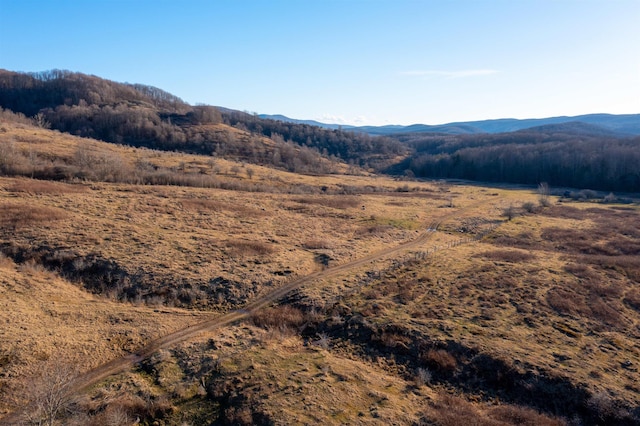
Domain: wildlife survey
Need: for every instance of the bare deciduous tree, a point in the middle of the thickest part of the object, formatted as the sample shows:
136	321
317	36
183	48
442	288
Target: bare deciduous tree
543	194
50	392
510	212
249	172
41	121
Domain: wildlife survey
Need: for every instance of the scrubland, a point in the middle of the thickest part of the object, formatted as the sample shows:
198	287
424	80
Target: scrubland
530	317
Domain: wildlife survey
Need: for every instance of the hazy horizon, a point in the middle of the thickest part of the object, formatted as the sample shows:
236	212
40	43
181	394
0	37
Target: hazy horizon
448	122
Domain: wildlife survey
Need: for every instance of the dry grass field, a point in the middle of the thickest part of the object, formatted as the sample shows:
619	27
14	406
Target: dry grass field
47	320
488	321
543	312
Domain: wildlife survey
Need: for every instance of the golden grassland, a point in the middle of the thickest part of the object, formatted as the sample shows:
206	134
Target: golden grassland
48	319
551	295
250	375
172	234
165	234
481	322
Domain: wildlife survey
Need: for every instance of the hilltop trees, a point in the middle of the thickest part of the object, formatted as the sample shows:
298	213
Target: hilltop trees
570	155
141	115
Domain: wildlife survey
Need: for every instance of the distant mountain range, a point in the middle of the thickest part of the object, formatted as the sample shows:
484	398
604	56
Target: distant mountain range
624	124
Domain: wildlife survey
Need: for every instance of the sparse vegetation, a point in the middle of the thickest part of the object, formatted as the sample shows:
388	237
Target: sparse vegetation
50	393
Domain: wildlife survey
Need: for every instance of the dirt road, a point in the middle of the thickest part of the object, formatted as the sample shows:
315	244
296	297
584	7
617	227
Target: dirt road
120	365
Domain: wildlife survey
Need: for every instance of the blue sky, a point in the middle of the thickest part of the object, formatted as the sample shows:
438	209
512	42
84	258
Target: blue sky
347	61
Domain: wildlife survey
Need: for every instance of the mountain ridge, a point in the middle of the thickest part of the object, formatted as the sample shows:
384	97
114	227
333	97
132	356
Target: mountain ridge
623	124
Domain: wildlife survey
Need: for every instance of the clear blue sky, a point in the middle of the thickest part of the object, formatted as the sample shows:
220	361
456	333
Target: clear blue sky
349	61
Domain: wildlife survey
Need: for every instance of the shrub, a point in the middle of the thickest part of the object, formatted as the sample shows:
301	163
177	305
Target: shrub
604	312
323	341
423	376
566	212
7	115
205	205
391	339
249	248
565	301
628	266
517	415
278	317
632	298
5	262
114	414
511	256
441	360
581	271
33	186
336	202
16	216
509	212
316	244
454	411
605	407
373	230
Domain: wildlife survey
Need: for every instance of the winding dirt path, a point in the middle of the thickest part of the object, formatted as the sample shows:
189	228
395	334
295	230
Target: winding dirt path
119	365
122	364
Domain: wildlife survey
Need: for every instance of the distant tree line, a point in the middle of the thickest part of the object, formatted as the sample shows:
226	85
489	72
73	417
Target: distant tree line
361	148
529	157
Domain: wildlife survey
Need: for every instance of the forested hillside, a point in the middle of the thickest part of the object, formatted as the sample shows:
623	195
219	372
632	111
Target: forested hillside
140	115
576	155
353	147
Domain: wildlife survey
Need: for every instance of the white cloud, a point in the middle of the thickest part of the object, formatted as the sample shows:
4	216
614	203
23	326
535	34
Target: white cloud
449	74
338	119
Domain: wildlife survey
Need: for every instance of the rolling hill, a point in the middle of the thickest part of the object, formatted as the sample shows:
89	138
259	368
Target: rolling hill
585	152
145	116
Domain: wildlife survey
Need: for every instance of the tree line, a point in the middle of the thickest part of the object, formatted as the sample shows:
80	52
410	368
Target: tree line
578	160
360	148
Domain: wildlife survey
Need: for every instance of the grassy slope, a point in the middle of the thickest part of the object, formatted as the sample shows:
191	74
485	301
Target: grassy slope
45	318
546	303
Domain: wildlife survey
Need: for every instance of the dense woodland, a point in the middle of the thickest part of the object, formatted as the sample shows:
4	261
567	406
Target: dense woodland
569	155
